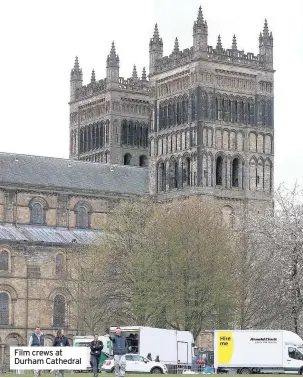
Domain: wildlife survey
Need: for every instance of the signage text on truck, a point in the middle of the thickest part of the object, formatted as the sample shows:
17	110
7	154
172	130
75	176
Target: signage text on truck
264	339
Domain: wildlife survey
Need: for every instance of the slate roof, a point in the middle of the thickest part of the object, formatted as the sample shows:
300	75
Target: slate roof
48	172
49	235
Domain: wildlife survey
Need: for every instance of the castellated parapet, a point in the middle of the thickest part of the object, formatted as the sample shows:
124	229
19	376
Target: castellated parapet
201	49
111	81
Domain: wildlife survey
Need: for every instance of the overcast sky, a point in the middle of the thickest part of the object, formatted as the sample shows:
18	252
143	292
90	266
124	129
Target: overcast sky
40	39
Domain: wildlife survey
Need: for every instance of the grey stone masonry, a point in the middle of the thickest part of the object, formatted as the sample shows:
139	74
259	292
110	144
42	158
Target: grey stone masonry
212	123
109	118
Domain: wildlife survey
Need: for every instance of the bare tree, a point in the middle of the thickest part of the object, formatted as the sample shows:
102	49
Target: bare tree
170	265
287	241
125	236
269	291
257	298
89	302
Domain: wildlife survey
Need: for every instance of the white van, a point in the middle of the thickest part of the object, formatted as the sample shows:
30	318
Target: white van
257	351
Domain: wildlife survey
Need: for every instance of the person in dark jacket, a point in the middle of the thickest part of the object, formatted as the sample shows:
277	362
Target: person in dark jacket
60	341
37	340
96	347
119	350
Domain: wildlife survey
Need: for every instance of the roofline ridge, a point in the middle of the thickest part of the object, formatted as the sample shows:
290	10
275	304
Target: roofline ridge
75	161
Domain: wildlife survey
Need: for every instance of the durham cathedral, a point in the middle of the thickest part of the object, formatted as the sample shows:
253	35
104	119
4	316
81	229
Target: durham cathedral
199	122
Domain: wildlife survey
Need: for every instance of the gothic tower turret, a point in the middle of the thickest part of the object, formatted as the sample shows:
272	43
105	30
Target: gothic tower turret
155	50
76	79
93	77
200	34
112	68
135	74
266	44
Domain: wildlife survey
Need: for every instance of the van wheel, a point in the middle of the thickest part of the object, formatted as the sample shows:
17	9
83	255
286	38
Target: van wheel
301	371
245	371
113	369
156	370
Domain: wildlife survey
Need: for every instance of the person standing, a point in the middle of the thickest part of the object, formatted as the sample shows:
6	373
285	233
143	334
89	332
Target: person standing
37	340
96	347
119	351
60	341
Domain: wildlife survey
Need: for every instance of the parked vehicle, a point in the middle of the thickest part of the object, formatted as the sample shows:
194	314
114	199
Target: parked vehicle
256	351
84	341
136	364
174	348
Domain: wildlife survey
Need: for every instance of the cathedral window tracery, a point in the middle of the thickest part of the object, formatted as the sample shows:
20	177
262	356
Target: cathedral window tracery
4	260
38	208
4	308
83	214
59	312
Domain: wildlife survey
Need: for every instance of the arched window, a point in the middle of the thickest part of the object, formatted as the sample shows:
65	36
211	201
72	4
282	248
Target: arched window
86	142
173	170
136	132
170	114
161	177
94	137
130	136
90	138
81	140
204	105
82	218
4	260
107	131
161	117
60	264
179	112
97	135
4	308
235	173
102	134
184	111
219	170
140	136
127	159
186	171
145	140
193	106
38	208
218	108
165	115
143	161
59	311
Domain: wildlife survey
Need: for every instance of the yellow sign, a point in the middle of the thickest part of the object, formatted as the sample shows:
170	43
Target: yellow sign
225	347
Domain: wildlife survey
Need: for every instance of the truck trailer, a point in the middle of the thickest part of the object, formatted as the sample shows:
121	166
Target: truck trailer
175	349
257	351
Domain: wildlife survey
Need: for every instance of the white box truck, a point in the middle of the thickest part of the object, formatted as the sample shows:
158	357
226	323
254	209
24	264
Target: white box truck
256	351
174	348
84	341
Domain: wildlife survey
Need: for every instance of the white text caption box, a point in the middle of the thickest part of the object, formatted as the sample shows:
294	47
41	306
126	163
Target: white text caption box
48	358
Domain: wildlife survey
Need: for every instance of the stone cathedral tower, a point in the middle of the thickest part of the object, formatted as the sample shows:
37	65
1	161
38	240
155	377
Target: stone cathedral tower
109	118
203	123
212	126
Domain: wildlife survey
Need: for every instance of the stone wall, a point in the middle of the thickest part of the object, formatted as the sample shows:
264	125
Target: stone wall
31	283
61	207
